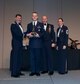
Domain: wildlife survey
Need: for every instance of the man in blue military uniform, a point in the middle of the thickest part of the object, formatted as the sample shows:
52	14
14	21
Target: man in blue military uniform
62	43
35	34
16	52
49	42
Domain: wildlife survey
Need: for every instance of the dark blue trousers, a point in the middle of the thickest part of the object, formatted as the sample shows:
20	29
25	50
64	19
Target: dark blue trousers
47	58
16	61
35	54
62	60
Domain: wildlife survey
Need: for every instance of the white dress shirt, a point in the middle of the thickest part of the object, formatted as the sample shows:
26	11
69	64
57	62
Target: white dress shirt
35	23
45	26
21	28
59	30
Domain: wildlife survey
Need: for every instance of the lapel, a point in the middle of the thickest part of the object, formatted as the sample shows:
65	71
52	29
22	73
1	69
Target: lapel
34	27
60	30
57	30
31	24
48	29
18	28
37	24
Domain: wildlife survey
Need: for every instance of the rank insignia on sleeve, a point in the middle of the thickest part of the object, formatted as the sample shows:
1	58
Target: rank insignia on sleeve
67	32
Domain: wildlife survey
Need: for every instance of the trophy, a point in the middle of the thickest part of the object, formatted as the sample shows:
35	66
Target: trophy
33	31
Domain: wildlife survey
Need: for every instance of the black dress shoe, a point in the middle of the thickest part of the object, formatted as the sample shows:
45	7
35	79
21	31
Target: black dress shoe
22	74
50	73
15	76
66	72
31	74
37	74
43	72
62	73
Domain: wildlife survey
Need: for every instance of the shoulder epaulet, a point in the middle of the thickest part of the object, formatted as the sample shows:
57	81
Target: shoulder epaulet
13	22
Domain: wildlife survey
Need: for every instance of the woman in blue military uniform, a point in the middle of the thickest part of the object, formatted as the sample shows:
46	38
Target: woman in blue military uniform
62	43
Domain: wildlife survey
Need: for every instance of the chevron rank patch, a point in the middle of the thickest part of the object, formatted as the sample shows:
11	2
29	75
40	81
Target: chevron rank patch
67	31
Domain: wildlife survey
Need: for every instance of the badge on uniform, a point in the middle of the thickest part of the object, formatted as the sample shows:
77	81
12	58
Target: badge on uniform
61	31
67	32
39	28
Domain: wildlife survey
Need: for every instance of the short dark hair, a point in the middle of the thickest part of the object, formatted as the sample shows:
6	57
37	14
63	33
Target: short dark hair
61	19
18	15
35	12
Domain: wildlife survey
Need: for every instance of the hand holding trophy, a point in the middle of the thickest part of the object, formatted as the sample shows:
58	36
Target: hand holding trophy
29	35
34	33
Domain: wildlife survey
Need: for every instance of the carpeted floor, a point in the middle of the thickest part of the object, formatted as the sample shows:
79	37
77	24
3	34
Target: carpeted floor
73	77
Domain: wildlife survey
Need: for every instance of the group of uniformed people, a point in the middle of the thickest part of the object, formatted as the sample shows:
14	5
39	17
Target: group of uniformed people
41	41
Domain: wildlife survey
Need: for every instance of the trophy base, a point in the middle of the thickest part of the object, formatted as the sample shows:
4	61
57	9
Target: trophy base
33	33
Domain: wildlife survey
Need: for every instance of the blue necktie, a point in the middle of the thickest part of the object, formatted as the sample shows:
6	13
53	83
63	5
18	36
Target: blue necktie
59	32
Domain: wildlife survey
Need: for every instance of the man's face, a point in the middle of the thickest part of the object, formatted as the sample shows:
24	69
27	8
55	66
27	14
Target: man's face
34	16
44	19
60	22
18	19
